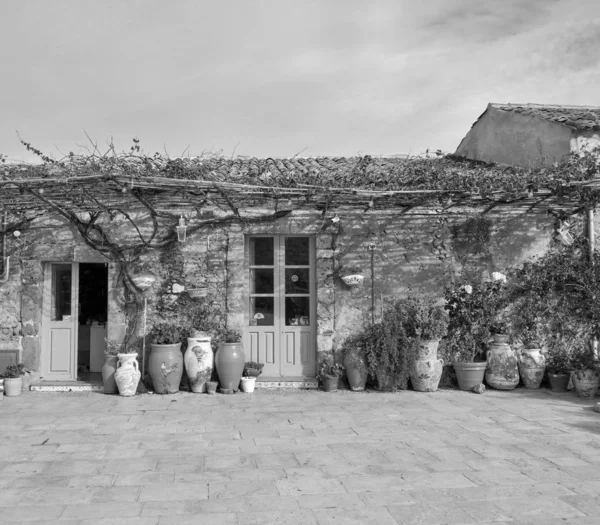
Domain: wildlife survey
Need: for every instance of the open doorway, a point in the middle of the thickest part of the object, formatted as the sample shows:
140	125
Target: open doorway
93	316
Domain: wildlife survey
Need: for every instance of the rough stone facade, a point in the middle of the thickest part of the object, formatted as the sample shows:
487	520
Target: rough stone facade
396	250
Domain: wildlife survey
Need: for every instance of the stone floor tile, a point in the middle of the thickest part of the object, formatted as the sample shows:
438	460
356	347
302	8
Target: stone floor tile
230	489
520	509
499	477
10	497
120	466
194	519
373	483
588	504
143	478
288	517
117	509
232	462
437	480
128	493
354	516
430	514
14	515
258	474
175	491
150	520
38	481
275	460
384	498
176	507
281	503
56	496
484	511
302	485
29	468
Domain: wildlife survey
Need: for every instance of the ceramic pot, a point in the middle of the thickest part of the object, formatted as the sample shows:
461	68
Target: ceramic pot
426	371
13	386
502	372
108	374
230	361
356	371
469	374
166	368
586	383
127	374
532	365
559	382
198	361
211	387
330	384
248	384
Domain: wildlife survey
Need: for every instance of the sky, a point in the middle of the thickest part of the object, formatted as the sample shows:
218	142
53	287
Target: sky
281	78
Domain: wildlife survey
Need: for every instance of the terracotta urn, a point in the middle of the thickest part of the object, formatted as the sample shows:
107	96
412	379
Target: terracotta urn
166	368
127	375
426	371
108	374
469	375
230	361
356	371
502	371
198	361
586	383
532	365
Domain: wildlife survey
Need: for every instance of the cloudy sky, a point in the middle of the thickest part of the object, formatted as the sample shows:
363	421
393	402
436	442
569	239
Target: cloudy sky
282	77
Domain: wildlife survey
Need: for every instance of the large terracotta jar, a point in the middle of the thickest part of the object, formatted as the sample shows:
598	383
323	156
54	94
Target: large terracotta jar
586	383
166	368
127	375
469	375
108	374
230	360
532	365
503	369
356	370
426	371
198	361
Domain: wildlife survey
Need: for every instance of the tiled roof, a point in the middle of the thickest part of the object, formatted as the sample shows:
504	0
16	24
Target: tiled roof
577	117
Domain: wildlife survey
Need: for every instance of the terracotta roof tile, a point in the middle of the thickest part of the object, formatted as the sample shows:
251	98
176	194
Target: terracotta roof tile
577	117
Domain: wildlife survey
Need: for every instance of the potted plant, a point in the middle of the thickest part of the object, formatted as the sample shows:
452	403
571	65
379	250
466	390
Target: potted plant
585	373
13	379
502	364
229	361
425	325
351	275
198	359
113	348
558	365
166	360
355	361
127	375
329	373
471	308
253	369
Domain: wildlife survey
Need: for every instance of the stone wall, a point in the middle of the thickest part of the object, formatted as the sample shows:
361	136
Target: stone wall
396	250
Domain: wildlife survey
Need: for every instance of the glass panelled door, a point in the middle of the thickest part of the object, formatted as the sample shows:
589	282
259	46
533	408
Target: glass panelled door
60	317
281	316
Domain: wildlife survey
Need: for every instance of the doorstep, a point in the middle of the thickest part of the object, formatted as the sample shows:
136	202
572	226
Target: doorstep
85	383
300	382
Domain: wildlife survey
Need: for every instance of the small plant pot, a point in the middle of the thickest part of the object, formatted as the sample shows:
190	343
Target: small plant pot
330	384
469	374
13	386
211	387
248	384
559	382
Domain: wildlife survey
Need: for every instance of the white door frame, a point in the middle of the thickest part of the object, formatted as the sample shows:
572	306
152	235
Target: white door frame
65	368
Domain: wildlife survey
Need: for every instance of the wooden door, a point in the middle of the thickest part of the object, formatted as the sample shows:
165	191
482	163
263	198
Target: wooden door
280	308
60	319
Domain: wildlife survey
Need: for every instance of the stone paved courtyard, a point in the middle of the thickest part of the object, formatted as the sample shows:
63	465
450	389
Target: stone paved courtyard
300	457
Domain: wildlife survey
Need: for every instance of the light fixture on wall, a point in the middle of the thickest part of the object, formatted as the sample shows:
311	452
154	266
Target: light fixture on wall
181	229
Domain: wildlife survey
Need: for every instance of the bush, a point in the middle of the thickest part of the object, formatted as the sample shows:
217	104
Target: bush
166	334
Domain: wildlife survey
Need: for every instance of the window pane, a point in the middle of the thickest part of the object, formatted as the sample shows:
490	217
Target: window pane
296	251
261	251
297	311
261	311
261	281
61	292
296	280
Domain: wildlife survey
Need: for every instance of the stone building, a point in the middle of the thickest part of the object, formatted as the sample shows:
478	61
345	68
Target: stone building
267	244
531	135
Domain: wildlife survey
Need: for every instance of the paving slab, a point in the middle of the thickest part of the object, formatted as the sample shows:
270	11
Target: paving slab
300	457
